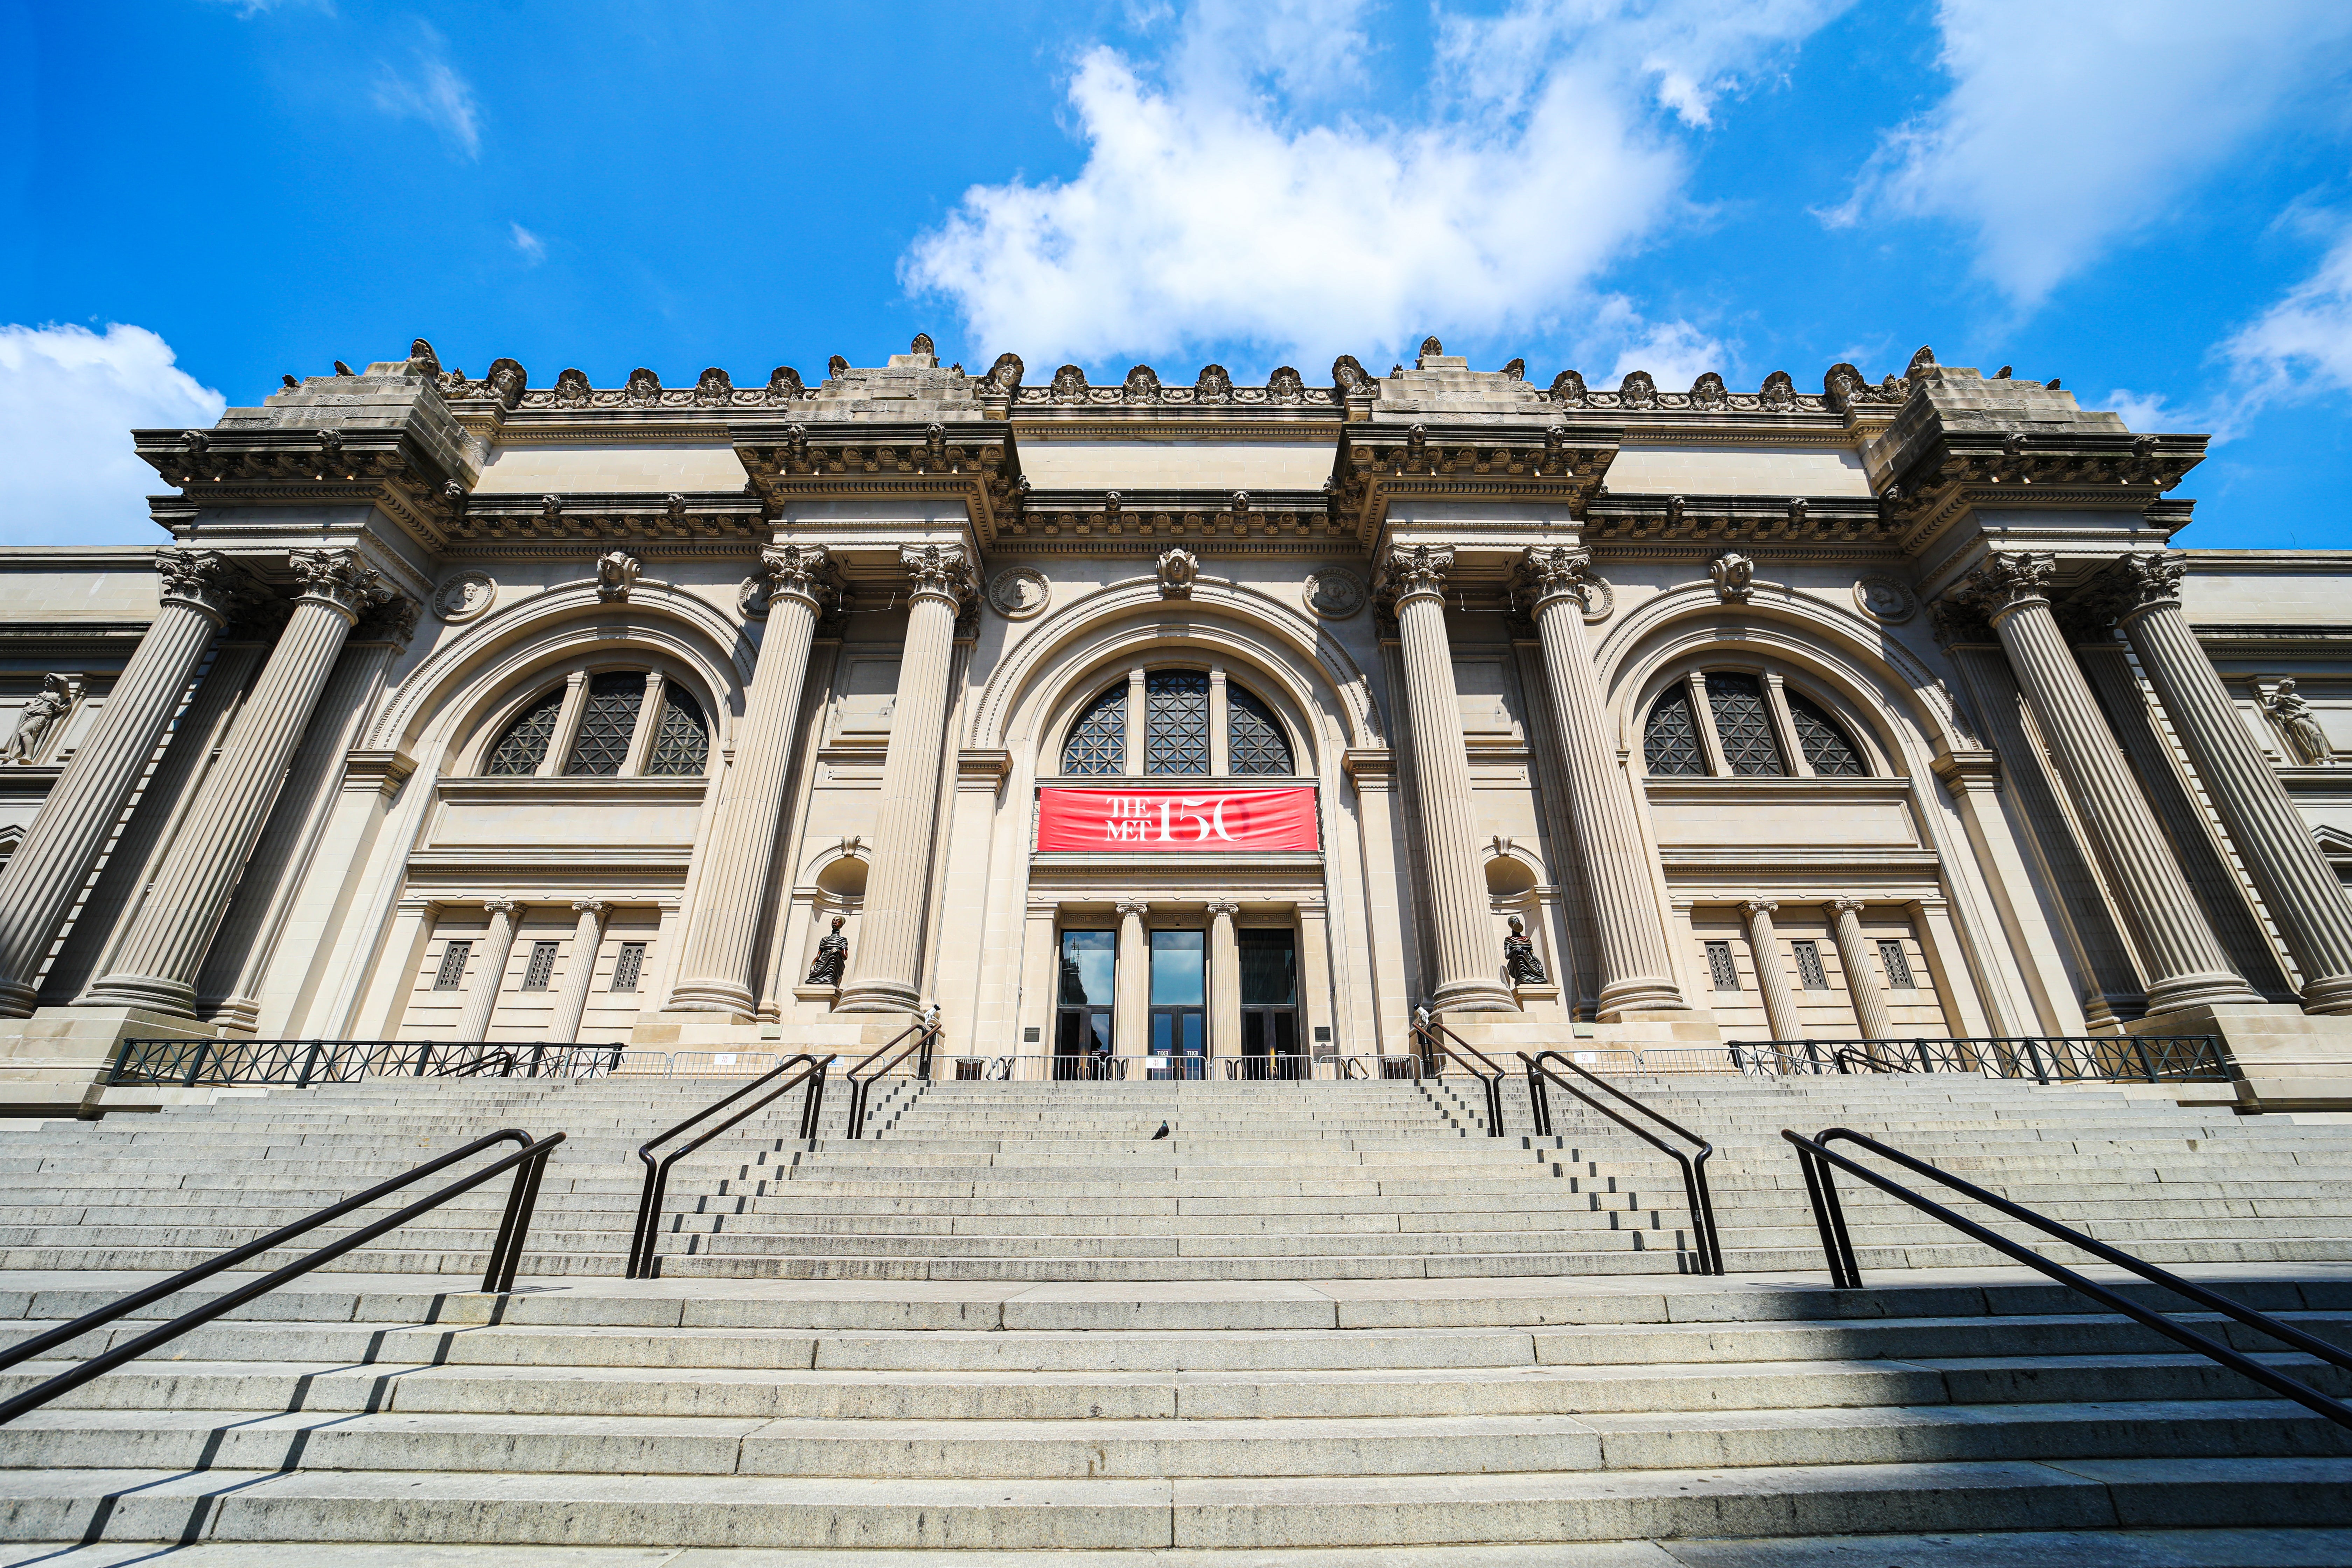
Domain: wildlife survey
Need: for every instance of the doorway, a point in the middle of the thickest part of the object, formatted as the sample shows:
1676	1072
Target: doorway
1270	1005
1180	1005
1082	1022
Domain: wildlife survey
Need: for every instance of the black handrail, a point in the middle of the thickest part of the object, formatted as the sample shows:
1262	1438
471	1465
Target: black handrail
926	1030
1815	1158
1434	1039
2045	1059
644	1236
186	1062
1700	1200
528	1164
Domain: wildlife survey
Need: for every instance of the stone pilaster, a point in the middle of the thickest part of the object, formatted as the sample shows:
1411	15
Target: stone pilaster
2185	962
580	970
44	876
490	968
157	965
1629	929
723	928
1771	975
1224	980
1861	979
1131	999
884	979
1466	963
2299	888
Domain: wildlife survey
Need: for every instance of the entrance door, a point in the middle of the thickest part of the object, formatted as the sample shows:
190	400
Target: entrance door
1270	1005
1082	1029
1180	998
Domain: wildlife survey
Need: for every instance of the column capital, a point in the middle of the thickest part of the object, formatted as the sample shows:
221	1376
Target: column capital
340	580
2144	581
1758	906
393	620
1225	907
1560	571
502	906
2009	581
937	572
1847	902
1135	907
597	907
803	571
205	581
1408	574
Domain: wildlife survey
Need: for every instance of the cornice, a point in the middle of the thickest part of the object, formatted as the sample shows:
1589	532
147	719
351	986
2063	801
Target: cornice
1153	517
569	430
1557	466
977	462
384	467
699	523
1149	425
1672	527
77	558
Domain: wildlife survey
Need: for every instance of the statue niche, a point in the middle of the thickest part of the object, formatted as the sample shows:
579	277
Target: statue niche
1520	960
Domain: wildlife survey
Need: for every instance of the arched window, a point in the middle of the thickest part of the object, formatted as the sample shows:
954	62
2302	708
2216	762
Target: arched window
1255	743
1827	750
1743	725
682	744
524	745
1749	716
1098	743
1176	721
607	724
1670	740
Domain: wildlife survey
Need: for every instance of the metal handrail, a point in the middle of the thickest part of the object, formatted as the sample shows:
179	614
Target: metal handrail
232	1060
2045	1059
1814	1158
528	1164
645	1235
1701	1201
1435	1039
926	1033
1088	1066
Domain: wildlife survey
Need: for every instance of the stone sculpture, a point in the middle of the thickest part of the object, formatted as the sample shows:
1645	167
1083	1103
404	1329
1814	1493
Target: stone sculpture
2293	715
40	716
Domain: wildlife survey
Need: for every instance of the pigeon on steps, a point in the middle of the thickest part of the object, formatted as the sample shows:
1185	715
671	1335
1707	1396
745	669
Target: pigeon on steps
1156	1137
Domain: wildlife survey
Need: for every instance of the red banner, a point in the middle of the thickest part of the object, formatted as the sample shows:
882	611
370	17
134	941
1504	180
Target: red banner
1156	816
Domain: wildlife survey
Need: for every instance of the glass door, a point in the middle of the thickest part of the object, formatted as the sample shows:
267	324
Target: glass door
1179	998
1270	1005
1082	1025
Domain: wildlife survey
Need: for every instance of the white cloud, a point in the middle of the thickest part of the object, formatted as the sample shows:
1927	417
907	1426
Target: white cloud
434	93
534	248
2304	341
1673	353
70	399
1225	200
2071	126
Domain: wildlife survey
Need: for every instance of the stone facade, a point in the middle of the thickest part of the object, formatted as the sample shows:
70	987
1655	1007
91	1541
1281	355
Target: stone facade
464	708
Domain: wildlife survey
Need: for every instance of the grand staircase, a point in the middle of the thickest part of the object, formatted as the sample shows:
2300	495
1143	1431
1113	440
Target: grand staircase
1326	1323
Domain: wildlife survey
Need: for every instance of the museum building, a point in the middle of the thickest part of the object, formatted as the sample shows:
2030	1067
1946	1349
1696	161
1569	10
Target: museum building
1172	727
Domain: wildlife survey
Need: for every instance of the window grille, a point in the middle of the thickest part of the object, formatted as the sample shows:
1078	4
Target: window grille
1825	745
541	968
452	975
1670	738
1897	965
628	966
607	724
1255	743
1719	966
1098	743
1176	721
524	745
1743	726
1810	973
682	744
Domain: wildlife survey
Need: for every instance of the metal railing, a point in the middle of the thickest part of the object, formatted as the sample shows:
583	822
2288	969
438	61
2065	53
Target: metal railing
1815	1158
224	1063
1089	1068
2044	1059
528	1164
1707	1239
915	1042
1435	1043
645	1237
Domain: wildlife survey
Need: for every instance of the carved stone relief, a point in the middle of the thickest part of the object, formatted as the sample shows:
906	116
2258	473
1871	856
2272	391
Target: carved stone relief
1885	600
466	596
1335	594
1018	593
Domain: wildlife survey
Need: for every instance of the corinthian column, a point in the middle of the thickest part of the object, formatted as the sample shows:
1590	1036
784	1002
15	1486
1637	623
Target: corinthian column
1466	962
2185	965
490	969
157	965
1628	933
2297	886
723	928
587	937
1130	1014
1224	980
45	874
1764	947
1861	980
890	945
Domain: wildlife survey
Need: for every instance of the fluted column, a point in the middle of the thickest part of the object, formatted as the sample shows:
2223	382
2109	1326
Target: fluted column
723	928
580	971
883	977
2299	888
1772	978
1224	980
2185	965
1629	929
157	965
1131	990
490	968
1467	960
45	876
1861	979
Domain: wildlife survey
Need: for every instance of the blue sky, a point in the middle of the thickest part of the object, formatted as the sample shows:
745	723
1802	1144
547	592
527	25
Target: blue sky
2149	200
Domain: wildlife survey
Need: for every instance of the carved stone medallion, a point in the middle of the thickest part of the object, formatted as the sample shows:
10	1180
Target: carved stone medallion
751	597
1335	594
1017	593
1600	600
1885	599
465	596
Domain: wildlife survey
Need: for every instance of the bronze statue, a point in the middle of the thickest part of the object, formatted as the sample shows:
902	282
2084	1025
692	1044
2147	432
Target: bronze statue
832	956
1519	958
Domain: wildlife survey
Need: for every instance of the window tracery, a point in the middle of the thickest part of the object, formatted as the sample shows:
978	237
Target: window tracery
1670	738
1098	743
1255	743
524	745
1754	719
607	725
596	733
1743	726
1178	715
1176	721
682	744
1827	750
